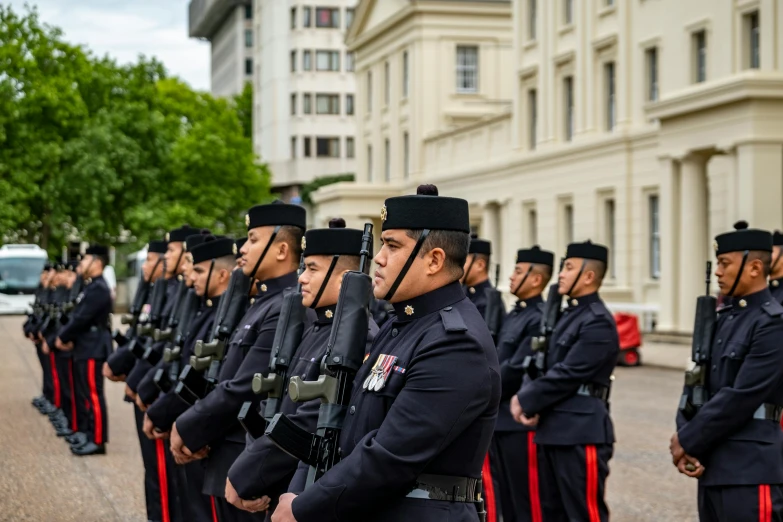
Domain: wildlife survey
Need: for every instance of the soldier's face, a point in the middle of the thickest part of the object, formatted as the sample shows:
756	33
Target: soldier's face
257	239
312	279
187	269
520	270
200	273
727	270
172	256
568	275
391	258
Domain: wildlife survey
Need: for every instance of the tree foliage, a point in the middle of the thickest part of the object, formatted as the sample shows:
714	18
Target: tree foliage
93	150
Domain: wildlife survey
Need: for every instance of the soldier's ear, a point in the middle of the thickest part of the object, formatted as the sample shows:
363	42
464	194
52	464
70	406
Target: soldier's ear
436	260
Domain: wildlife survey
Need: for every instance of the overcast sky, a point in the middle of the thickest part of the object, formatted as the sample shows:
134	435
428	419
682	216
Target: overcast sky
124	29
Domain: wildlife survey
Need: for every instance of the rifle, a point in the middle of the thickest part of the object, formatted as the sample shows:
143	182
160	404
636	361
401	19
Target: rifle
288	336
535	365
173	320
697	392
344	356
209	353
495	311
165	378
70	303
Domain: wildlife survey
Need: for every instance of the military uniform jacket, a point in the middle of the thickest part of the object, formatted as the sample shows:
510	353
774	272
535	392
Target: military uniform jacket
520	326
435	415
59	296
165	410
478	295
583	350
88	325
744	373
263	468
776	287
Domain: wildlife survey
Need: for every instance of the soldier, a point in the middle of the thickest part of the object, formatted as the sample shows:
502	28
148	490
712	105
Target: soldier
67	423
476	278
87	335
575	433
263	471
733	444
272	255
413	444
48	397
776	270
514	454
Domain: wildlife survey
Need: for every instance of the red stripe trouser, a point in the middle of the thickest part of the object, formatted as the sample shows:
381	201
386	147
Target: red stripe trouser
90	401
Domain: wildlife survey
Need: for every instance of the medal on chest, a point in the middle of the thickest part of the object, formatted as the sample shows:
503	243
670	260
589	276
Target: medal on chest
379	373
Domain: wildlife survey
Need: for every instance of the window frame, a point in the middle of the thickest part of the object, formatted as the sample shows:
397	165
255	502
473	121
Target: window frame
464	69
332	142
332	57
307	103
652	71
568	108
610	95
307	60
332	101
405	72
699	55
334	18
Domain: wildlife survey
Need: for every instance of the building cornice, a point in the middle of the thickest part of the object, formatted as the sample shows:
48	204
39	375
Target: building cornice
355	190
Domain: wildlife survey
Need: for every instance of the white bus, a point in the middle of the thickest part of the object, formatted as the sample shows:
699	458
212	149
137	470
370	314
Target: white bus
20	274
135	260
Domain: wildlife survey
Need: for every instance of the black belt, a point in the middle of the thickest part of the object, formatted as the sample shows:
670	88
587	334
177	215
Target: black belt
598	391
768	412
450	489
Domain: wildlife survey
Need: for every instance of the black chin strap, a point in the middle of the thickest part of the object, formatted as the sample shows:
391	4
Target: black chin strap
263	254
739	273
775	262
529	270
206	288
408	263
581	271
179	259
467	272
326	280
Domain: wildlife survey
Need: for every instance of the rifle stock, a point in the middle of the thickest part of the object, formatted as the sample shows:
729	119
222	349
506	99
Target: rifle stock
535	365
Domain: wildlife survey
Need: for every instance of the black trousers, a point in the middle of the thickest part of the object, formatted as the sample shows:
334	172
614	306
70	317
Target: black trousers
66	388
763	503
228	513
196	506
573	480
160	482
92	416
513	459
47	387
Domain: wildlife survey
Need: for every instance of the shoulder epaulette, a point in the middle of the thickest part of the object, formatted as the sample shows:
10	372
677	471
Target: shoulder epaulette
773	308
452	320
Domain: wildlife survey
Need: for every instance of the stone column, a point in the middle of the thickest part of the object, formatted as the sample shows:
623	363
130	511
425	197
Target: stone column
693	252
669	226
759	170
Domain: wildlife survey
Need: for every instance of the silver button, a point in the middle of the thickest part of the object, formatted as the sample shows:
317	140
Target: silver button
316	328
714	367
395	332
352	410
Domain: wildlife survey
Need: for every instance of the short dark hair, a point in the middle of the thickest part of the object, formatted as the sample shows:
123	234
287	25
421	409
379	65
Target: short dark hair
485	258
226	263
454	244
598	267
104	260
764	257
545	271
348	262
293	236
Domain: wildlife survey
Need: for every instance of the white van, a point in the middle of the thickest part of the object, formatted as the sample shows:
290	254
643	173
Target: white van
20	274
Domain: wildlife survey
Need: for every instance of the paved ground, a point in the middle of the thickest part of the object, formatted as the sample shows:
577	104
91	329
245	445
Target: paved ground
40	480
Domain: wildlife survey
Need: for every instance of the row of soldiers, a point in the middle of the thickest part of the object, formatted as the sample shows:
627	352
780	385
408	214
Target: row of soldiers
265	392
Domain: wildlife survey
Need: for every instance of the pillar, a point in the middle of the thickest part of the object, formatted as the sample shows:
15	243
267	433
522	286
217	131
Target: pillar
669	225
694	237
759	170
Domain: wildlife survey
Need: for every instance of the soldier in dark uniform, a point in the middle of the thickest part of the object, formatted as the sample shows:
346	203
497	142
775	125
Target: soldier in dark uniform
413	446
67	423
733	442
776	270
514	454
272	255
47	398
263	471
575	433
87	335
476	278
213	261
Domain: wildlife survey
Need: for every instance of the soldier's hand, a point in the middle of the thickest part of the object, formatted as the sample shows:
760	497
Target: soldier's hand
530	422
149	428
676	449
45	348
140	404
252	506
130	393
284	511
690	466
110	375
516	409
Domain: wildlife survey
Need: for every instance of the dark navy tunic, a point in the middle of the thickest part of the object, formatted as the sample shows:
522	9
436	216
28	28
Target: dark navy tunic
583	351
435	415
478	295
745	373
88	325
212	421
776	287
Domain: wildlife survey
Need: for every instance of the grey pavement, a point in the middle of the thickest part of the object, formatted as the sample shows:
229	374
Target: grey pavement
41	481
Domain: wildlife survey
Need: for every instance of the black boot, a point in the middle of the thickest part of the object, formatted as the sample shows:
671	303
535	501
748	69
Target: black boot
63	431
89	449
77	440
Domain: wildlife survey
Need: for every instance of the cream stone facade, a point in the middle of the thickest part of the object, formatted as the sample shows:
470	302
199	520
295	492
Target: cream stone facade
649	126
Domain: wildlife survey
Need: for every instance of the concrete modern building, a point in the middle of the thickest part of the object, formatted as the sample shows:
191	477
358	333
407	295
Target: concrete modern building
228	25
649	126
304	91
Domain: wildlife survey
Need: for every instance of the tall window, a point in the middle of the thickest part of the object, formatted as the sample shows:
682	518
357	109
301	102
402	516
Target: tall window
293	147
327	60
248	66
248	12
532	16
568	102
387	160
467	68
611	104
327	104
651	58
293	18
386	86
307	13
609	2
753	42
349	17
327	17
327	147
369	163
532	112
308	152
349	104
655	238
293	105
568	12
700	56
349	62
406	157
307	60
609	213
532	223
568	216
405	74
293	61
307	102
349	147
248	38
369	91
